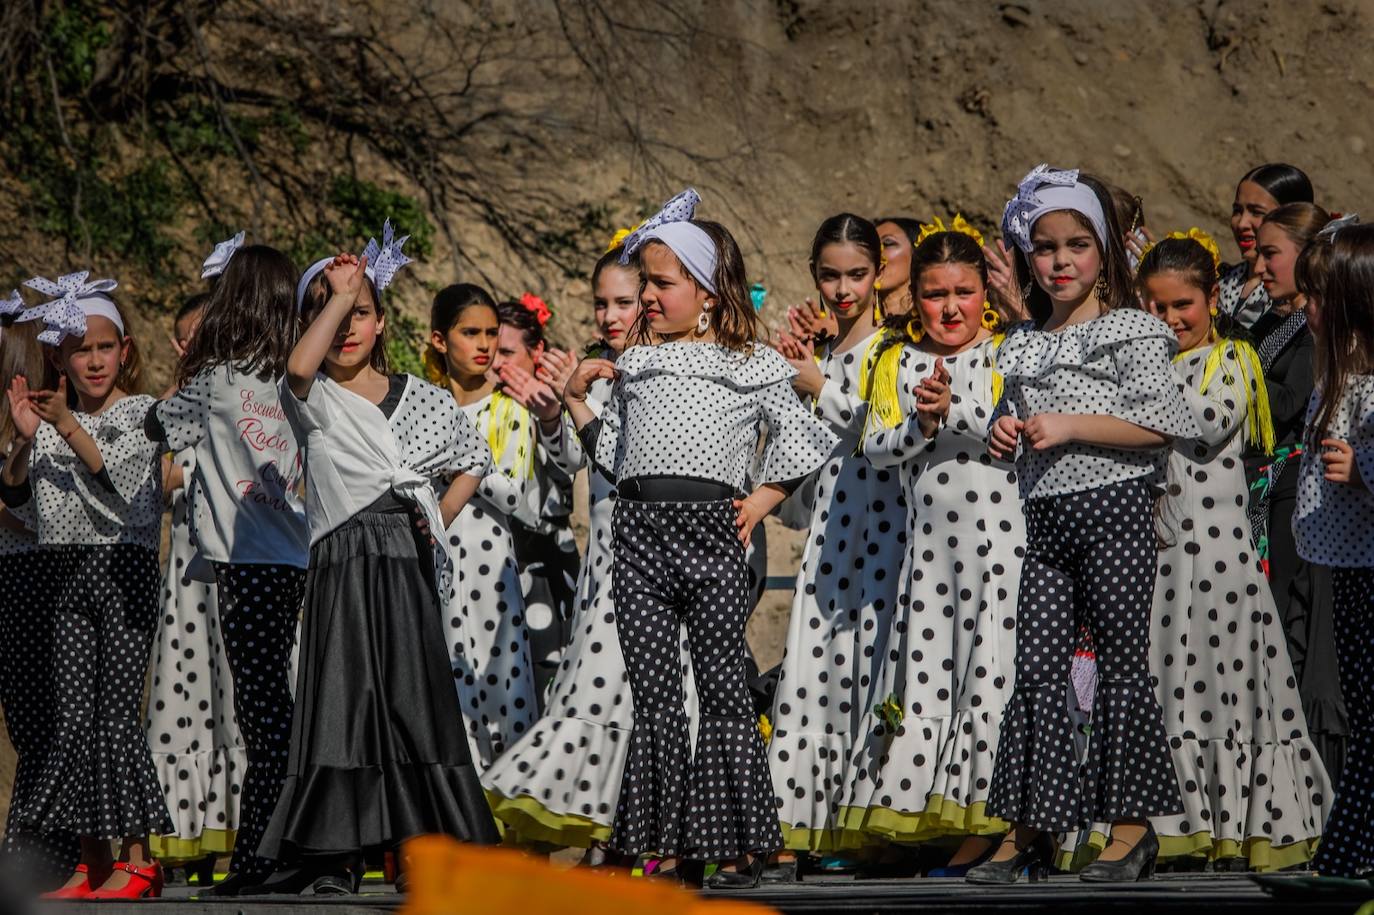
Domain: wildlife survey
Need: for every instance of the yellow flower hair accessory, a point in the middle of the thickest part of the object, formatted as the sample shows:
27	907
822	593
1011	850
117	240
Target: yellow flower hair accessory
1202	238
619	236
958	224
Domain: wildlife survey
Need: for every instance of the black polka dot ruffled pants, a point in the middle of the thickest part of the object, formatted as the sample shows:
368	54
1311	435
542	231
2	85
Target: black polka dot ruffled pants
1347	848
26	621
679	562
258	609
97	777
1094	551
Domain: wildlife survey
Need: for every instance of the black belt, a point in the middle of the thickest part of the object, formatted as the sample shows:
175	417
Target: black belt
674	489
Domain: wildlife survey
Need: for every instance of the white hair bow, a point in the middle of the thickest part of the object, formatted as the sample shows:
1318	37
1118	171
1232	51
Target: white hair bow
679	209
11	307
385	259
64	315
219	258
1329	230
1016	218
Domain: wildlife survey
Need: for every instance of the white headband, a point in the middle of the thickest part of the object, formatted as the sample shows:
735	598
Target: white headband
692	246
65	316
1047	190
383	260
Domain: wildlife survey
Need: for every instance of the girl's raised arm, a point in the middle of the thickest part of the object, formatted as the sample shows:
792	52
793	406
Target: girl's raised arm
345	276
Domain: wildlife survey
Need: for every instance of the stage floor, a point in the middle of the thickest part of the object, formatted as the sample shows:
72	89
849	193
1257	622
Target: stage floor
1191	893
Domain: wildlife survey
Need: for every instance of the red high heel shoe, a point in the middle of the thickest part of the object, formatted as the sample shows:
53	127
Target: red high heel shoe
144	883
79	891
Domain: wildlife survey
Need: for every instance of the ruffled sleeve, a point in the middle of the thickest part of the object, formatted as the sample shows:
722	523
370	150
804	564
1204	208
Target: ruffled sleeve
1149	392
797	441
972	402
185	416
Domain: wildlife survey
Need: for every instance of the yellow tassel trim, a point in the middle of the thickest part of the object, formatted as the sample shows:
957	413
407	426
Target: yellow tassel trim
508	423
884	406
1249	387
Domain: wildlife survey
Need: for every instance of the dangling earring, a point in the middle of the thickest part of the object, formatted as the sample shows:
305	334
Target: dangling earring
704	319
1104	289
915	330
990	317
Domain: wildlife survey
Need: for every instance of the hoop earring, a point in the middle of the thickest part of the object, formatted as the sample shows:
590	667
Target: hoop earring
704	320
990	317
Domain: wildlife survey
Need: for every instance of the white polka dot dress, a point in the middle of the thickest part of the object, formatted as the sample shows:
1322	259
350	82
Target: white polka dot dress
485	614
845	591
1251	780
197	749
1245	309
949	660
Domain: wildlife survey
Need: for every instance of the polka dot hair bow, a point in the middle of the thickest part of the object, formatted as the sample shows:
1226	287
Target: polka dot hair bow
11	308
680	209
75	299
1020	213
219	258
385	259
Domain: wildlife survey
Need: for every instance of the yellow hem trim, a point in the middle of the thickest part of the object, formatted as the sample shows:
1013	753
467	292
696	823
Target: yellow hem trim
526	820
174	850
1260	854
941	817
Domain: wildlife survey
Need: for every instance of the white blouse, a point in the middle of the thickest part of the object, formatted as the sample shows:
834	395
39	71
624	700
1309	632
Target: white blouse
242	495
1334	522
354	454
74	507
1232	282
700	410
1119	364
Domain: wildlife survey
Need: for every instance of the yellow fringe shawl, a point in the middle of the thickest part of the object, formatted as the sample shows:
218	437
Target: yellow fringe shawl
879	387
1259	422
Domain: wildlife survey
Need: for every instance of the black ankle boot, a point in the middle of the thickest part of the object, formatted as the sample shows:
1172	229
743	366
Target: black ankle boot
1035	857
1138	864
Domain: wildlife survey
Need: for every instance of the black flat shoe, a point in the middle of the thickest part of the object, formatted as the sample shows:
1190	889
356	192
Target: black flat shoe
782	872
738	880
1035	858
232	885
1138	864
341	884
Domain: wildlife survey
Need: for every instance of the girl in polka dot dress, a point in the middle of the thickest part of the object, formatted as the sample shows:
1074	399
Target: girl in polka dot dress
84	470
378	753
846	585
924	766
545	549
1334	521
27	858
559	784
246	519
1253	785
197	746
486	608
680	433
1261	190
1090	407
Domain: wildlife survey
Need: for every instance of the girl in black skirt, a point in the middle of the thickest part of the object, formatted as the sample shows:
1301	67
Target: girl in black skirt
378	752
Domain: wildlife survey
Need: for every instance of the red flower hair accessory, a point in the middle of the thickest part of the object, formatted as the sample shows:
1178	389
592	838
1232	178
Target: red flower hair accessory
532	302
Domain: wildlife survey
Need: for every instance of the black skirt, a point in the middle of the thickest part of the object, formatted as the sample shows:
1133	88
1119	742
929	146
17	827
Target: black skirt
378	750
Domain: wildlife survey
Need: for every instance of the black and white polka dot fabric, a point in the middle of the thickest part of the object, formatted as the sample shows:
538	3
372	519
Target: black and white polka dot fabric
1245	309
949	657
259	606
97	779
27	583
489	641
74	507
197	747
1334	522
1347	848
1251	780
1093	553
1116	365
842	604
675	563
696	409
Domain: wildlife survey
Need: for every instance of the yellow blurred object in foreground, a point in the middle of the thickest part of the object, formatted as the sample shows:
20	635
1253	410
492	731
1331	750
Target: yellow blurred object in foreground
447	877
